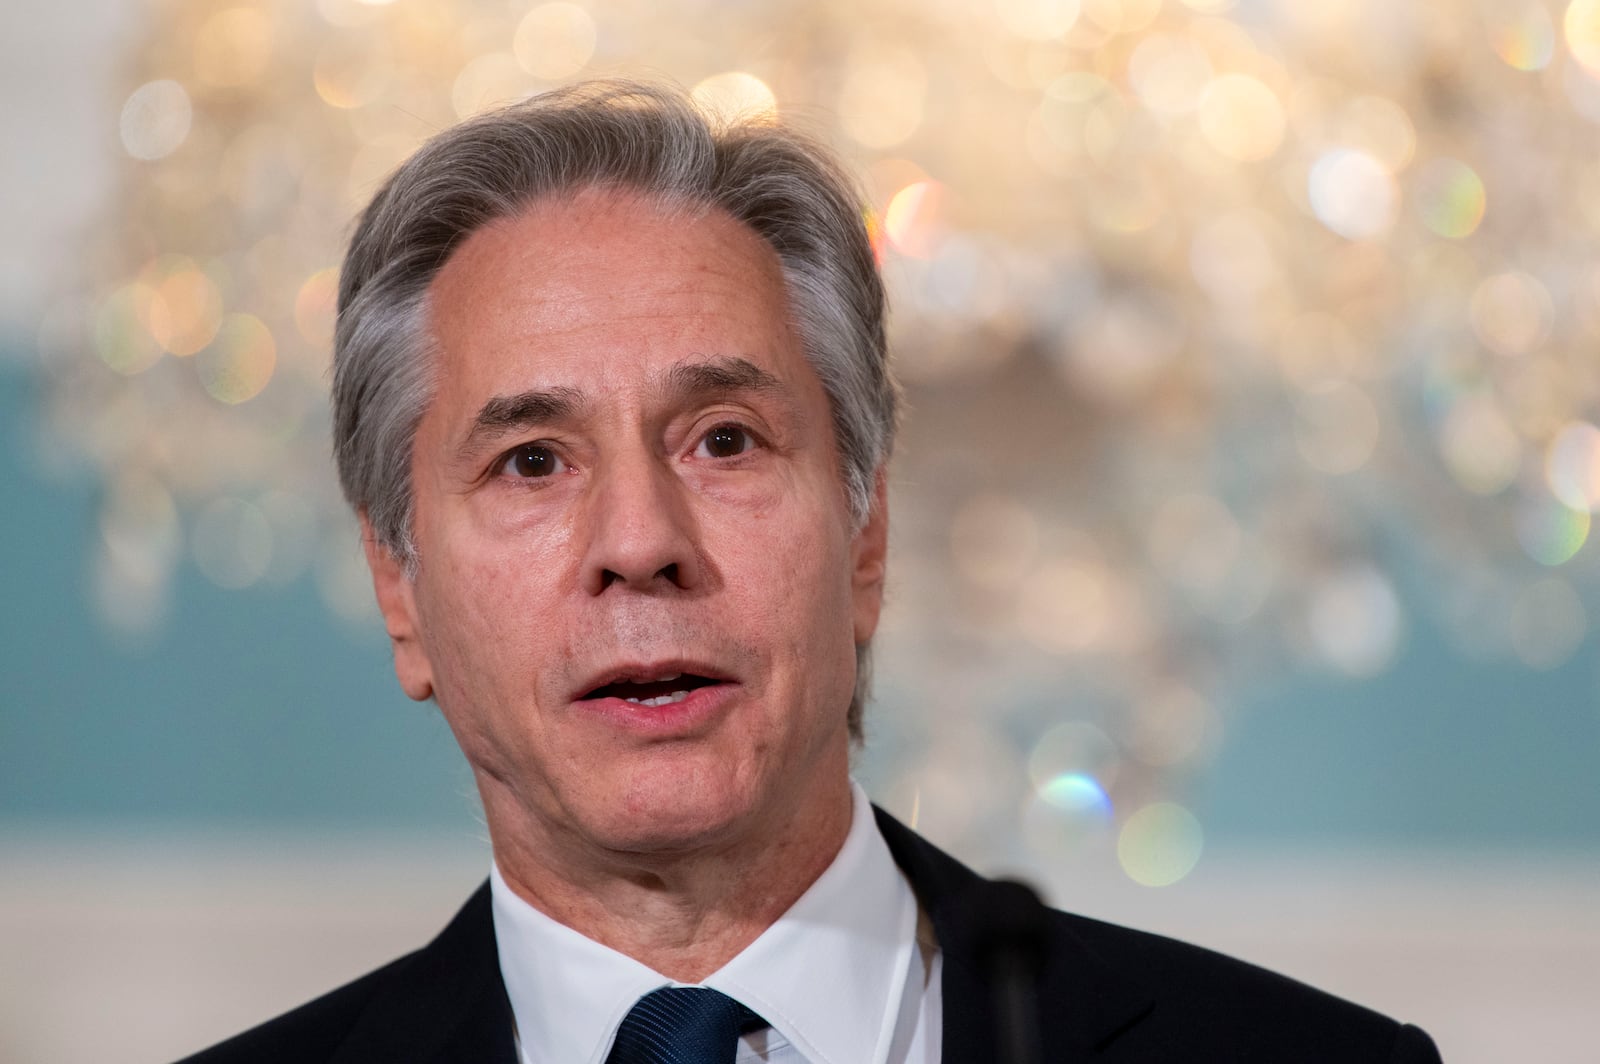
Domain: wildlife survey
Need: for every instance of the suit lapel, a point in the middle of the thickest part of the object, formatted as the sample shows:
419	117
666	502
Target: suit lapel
445	1003
1084	1002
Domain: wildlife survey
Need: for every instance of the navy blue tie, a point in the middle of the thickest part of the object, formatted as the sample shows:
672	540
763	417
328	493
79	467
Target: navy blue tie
682	1025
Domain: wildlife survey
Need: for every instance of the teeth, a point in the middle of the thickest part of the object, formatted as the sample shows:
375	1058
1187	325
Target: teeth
660	700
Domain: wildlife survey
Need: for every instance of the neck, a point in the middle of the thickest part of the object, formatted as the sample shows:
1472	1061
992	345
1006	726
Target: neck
684	914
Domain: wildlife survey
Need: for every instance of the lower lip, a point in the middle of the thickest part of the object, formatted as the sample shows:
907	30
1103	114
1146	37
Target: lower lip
699	707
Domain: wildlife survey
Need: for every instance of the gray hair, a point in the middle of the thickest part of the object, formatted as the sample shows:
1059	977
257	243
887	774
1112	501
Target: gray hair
619	134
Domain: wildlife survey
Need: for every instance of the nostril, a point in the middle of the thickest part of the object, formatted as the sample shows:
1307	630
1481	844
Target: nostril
673	574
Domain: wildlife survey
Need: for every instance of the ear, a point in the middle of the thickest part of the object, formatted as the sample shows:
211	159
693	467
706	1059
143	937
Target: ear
868	556
397	602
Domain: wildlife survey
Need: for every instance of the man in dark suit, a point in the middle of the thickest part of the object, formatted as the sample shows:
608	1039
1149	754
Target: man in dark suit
612	401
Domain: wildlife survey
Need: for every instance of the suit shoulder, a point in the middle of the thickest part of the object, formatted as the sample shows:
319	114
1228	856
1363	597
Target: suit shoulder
1199	988
310	1033
1132	994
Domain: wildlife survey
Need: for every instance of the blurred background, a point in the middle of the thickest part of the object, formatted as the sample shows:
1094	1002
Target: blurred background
1242	586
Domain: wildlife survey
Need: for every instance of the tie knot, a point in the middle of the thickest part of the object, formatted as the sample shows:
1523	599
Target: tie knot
682	1025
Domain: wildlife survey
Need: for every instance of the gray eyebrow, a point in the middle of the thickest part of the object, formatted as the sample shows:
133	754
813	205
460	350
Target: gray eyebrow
725	373
507	413
722	375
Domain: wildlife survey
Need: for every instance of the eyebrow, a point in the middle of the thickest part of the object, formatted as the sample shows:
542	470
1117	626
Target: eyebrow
504	414
722	375
684	382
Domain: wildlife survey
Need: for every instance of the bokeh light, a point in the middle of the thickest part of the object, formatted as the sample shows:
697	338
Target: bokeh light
1581	26
1069	754
735	94
913	221
1551	531
239	363
122	335
1039	20
1354	620
185	308
1169	73
1160	844
140	528
1353	194
314	308
1077	794
156	119
350	73
1572	466
1522	33
554	41
491	80
1064	815
141	540
1450	198
1241	117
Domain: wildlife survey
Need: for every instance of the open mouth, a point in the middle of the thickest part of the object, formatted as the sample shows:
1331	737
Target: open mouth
658	692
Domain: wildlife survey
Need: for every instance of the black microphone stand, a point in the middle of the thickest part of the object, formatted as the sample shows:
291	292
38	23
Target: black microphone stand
1013	923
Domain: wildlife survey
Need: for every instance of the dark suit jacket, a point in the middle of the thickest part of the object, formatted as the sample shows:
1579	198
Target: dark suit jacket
1106	994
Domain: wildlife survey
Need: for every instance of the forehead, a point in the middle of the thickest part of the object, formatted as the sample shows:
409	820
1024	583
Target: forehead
606	286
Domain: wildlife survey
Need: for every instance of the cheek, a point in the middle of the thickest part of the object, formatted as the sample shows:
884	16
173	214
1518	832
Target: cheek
798	598
489	631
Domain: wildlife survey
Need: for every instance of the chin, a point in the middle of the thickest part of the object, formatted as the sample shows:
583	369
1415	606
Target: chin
679	811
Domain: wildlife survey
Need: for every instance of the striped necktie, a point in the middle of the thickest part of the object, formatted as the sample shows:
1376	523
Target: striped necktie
682	1025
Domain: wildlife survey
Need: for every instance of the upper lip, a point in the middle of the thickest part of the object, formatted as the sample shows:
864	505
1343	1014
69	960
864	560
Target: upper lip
648	672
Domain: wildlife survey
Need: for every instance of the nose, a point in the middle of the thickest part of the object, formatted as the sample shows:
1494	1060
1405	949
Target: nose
640	528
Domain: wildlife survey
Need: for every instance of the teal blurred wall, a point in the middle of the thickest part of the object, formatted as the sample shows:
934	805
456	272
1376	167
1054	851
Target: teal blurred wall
249	707
258	709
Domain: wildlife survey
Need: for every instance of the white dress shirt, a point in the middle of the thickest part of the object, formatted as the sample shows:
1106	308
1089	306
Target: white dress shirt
849	975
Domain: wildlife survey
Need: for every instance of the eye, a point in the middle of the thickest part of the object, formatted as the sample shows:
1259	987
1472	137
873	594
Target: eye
725	441
532	460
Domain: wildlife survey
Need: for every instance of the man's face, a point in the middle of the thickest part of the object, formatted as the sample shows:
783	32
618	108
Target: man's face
640	587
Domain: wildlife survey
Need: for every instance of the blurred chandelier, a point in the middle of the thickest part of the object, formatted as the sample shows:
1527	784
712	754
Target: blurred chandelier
1231	330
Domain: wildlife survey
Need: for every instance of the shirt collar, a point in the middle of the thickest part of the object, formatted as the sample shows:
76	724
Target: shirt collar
568	993
829	975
